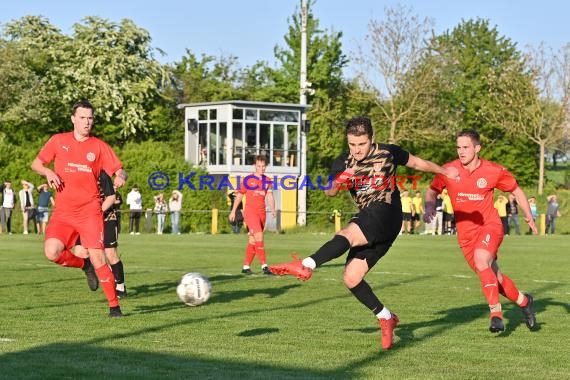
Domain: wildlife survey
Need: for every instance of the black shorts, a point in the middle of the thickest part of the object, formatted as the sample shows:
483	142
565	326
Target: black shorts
416	217
380	223
110	234
407	216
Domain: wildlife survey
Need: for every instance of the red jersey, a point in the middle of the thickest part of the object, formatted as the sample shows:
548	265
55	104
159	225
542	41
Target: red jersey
472	195
78	164
255	189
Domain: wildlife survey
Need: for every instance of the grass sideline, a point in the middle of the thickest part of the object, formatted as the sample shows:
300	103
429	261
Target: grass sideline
262	327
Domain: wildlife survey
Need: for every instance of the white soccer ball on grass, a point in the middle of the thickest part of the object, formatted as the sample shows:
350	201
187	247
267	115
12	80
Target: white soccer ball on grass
194	289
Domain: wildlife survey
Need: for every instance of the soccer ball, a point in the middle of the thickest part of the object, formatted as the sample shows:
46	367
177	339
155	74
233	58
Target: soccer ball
194	289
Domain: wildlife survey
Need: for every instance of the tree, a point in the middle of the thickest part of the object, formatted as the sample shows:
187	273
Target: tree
113	65
472	63
538	109
392	66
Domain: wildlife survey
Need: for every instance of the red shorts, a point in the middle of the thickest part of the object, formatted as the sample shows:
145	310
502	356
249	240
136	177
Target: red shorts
255	221
67	228
488	238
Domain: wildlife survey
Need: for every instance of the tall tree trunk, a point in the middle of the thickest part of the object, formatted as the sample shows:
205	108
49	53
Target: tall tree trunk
541	168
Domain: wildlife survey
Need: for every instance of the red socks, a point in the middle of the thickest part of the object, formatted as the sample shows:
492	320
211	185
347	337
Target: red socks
260	252
490	287
107	281
249	254
68	259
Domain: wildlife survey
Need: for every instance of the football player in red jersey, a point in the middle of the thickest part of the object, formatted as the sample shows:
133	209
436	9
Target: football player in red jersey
78	159
479	228
255	188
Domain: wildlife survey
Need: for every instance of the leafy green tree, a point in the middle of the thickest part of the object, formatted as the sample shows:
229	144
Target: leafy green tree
471	63
392	67
539	101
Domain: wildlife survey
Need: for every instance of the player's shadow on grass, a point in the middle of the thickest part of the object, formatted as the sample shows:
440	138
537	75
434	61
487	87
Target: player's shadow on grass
234	295
257	332
39	362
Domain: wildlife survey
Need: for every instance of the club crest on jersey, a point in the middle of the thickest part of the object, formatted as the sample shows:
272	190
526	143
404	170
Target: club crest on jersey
481	183
90	156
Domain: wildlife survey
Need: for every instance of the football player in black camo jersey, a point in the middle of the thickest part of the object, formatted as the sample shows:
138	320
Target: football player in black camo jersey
111	206
368	171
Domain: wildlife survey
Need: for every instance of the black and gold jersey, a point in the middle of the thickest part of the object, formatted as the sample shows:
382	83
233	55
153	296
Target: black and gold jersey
374	178
106	189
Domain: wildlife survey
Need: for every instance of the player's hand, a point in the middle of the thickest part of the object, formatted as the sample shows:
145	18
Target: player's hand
232	217
429	212
273	213
531	224
53	180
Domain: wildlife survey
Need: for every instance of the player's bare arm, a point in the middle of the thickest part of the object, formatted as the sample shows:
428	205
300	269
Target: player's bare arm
52	178
430	198
431	167
108	202
339	181
120	178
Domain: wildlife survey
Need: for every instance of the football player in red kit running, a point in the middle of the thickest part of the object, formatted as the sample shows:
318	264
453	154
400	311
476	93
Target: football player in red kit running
479	227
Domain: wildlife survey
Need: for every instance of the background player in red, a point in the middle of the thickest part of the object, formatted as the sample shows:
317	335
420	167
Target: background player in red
255	187
78	159
479	228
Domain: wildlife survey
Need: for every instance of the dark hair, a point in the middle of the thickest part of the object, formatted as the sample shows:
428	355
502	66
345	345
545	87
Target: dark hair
261	157
359	126
83	103
472	134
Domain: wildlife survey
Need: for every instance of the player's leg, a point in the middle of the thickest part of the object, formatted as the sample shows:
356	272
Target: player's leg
525	301
111	243
481	255
377	230
91	231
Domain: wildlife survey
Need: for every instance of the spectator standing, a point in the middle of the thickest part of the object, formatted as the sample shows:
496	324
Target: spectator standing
134	201
533	211
502	205
175	207
7	206
44	200
439	215
407	212
448	218
552	212
513	214
418	203
160	209
27	205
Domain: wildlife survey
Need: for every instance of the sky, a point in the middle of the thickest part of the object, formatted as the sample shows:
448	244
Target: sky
250	29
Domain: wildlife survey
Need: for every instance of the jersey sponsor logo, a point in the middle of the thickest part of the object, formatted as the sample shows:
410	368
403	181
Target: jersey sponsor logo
481	183
90	156
469	196
487	240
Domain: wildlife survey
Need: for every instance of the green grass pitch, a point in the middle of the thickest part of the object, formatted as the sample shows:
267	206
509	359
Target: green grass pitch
264	327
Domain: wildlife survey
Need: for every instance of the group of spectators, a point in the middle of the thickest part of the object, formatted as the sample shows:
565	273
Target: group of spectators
32	212
507	208
413	209
160	209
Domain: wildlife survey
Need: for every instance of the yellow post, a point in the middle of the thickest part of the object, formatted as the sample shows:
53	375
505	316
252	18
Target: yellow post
214	221
542	227
337	216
